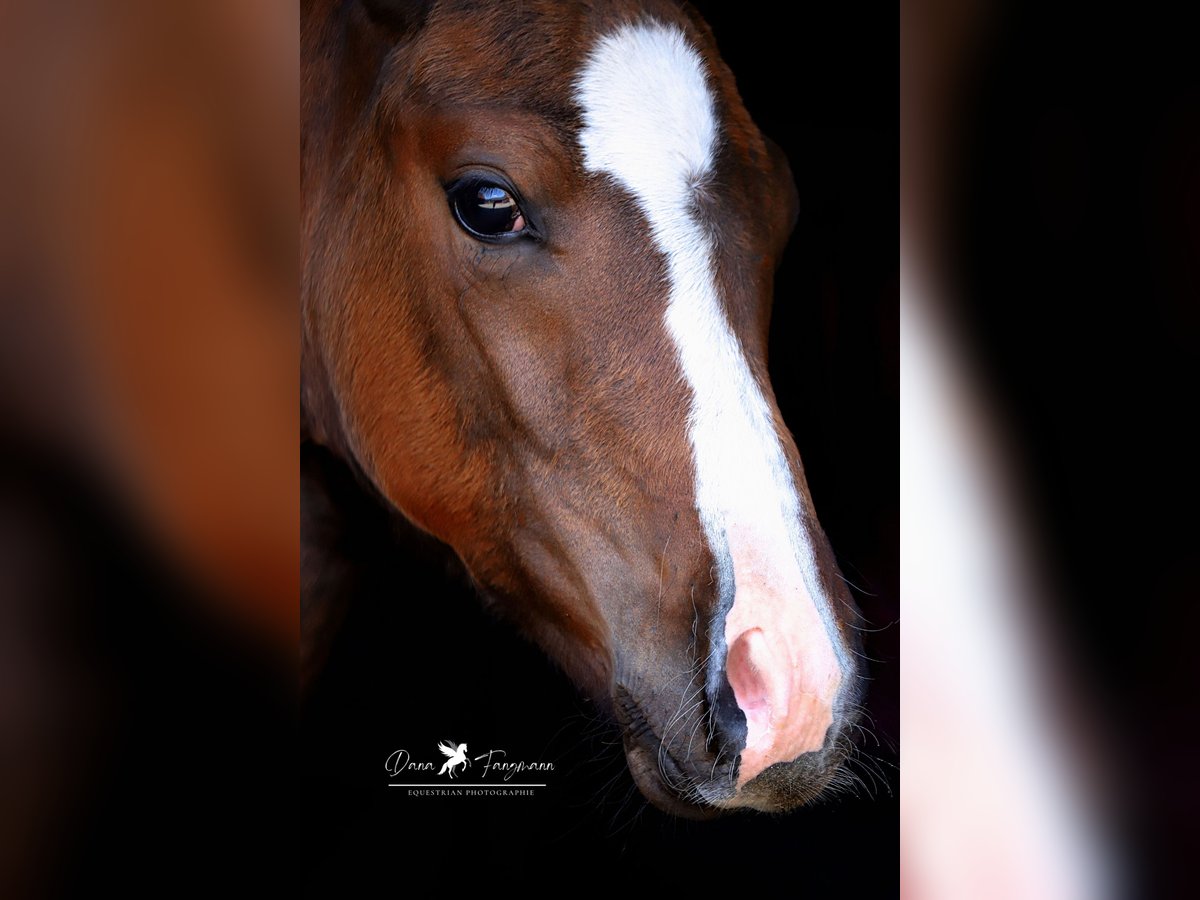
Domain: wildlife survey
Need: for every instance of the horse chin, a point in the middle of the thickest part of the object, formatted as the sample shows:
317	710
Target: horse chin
778	789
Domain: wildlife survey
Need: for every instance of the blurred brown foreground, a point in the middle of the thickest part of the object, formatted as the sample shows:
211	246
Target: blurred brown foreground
148	415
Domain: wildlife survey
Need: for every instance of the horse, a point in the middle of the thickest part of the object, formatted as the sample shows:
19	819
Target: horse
539	242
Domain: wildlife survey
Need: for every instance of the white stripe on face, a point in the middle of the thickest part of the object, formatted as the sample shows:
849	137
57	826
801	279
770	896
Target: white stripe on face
650	125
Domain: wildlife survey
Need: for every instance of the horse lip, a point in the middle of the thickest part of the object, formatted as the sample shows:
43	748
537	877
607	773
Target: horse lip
648	758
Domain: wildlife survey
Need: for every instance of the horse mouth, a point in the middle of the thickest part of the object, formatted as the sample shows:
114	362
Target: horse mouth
658	775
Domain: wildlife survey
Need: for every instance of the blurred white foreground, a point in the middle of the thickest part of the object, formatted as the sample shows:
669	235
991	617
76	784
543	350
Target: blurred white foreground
990	805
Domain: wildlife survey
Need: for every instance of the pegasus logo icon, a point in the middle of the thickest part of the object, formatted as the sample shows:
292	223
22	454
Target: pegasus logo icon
454	757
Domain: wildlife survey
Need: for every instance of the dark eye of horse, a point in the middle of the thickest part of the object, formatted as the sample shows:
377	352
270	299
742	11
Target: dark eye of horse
486	210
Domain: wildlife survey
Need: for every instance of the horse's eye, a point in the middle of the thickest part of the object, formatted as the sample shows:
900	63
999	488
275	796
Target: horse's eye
486	210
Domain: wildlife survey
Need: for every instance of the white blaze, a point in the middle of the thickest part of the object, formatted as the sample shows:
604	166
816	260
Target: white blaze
650	125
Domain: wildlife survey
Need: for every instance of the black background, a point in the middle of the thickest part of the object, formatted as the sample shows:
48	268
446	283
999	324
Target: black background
418	661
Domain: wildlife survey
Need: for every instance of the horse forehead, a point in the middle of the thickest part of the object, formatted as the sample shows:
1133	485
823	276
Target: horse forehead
525	55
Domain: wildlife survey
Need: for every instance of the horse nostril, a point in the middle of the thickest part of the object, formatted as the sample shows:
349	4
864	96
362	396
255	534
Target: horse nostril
773	703
748	668
729	721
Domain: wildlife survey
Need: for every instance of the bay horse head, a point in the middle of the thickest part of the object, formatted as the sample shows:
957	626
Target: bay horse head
539	247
